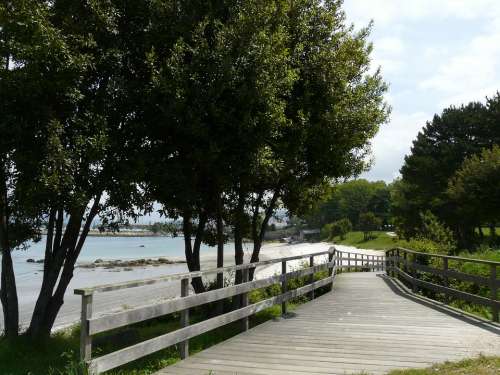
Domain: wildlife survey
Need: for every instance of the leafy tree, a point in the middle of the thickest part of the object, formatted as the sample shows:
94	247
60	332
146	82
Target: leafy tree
218	86
350	199
474	188
334	107
368	223
73	96
436	232
341	228
437	153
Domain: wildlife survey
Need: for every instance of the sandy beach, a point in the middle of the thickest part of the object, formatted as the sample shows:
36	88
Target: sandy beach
125	299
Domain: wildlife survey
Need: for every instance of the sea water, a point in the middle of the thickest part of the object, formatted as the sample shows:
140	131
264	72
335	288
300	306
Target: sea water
108	248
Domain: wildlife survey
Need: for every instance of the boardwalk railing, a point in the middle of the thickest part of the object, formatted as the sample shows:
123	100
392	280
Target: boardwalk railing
412	266
332	261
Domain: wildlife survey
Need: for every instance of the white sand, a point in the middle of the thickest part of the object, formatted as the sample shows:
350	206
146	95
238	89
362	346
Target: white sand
124	299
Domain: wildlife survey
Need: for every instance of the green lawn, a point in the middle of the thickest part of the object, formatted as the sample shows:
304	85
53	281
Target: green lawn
478	366
380	241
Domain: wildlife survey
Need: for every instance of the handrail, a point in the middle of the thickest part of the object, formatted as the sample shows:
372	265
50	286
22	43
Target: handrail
461	259
187	275
94	325
400	266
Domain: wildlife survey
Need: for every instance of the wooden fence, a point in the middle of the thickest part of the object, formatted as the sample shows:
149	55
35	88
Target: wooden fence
411	266
333	261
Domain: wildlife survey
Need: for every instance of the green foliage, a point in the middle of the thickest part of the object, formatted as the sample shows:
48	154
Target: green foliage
368	223
340	228
379	241
221	112
349	200
436	232
326	231
436	155
474	187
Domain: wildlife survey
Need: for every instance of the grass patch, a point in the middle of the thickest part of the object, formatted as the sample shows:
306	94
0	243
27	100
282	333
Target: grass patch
380	241
476	366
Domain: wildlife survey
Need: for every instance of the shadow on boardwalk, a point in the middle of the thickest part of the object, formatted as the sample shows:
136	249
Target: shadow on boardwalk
401	290
366	324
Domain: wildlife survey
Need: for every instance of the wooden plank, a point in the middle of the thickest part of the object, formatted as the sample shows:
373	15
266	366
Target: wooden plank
494	295
120	357
461	259
284	286
362	326
244	301
85	338
184	345
188	275
311	276
124	318
451	292
451	273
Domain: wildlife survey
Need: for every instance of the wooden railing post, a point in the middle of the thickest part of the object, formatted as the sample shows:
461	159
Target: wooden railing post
184	345
397	263
244	300
85	338
445	279
284	287
494	292
332	256
414	273
311	277
355	262
349	262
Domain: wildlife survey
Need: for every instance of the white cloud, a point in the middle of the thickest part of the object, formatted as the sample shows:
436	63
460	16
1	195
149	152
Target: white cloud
393	142
471	74
433	53
386	12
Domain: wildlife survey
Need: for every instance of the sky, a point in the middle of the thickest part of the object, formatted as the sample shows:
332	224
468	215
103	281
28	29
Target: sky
433	54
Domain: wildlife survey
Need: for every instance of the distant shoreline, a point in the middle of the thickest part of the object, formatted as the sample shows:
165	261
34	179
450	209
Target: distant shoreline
124	233
127	233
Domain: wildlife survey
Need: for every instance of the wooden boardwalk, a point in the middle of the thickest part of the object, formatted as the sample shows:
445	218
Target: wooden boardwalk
367	324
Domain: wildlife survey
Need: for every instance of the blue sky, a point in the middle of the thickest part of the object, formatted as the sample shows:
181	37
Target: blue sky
433	54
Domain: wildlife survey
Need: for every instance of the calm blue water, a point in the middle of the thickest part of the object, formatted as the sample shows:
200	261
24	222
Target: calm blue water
110	248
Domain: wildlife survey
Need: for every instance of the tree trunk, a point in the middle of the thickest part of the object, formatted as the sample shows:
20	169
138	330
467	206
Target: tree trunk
220	251
493	233
63	258
238	245
8	288
258	233
193	252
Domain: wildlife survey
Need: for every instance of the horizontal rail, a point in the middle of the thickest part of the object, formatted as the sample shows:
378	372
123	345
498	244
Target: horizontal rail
91	326
450	291
188	275
144	348
450	257
399	265
479	280
116	320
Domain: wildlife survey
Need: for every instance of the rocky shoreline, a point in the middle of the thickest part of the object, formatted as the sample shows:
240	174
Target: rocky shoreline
129	264
118	263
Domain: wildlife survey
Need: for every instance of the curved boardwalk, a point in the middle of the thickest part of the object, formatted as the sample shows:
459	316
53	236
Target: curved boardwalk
367	324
